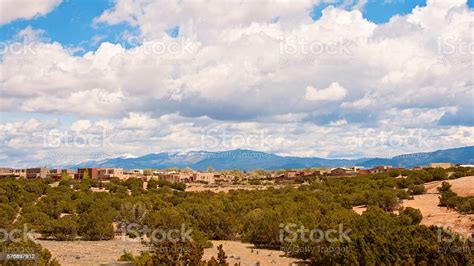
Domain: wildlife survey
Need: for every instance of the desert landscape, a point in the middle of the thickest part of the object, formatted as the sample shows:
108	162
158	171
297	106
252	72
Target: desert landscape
247	254
107	252
76	253
442	216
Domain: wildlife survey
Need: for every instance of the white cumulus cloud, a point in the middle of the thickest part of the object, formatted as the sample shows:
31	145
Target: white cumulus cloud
11	9
334	92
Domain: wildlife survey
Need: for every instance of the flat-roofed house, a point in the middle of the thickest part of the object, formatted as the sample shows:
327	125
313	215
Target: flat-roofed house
39	172
441	165
11	172
363	172
204	177
69	172
107	173
222	178
92	173
380	169
19	173
55	173
340	171
6	172
176	177
291	174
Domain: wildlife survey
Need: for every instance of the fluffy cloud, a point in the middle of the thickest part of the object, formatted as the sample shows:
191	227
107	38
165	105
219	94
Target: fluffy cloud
204	19
334	92
12	10
250	70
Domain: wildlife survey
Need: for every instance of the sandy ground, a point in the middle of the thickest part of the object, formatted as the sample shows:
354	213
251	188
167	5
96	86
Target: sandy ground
441	216
96	189
462	186
359	209
246	254
77	253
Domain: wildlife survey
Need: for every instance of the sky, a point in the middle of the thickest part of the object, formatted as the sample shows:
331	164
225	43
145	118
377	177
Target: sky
95	79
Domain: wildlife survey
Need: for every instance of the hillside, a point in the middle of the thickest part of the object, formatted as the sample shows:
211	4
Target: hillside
250	160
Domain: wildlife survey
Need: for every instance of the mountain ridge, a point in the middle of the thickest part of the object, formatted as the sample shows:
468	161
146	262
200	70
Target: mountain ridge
250	160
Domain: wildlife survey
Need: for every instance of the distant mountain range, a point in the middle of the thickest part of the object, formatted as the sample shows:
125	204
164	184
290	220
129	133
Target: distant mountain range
251	160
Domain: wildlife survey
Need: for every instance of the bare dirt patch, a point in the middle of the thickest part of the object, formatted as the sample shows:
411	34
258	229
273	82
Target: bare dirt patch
96	189
247	254
90	252
463	186
78	253
441	216
359	209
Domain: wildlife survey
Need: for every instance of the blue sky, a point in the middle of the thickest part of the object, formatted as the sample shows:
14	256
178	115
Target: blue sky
71	23
377	11
313	84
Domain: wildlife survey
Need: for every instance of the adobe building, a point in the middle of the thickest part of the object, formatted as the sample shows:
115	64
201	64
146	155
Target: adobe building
441	165
39	172
107	173
92	173
204	177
